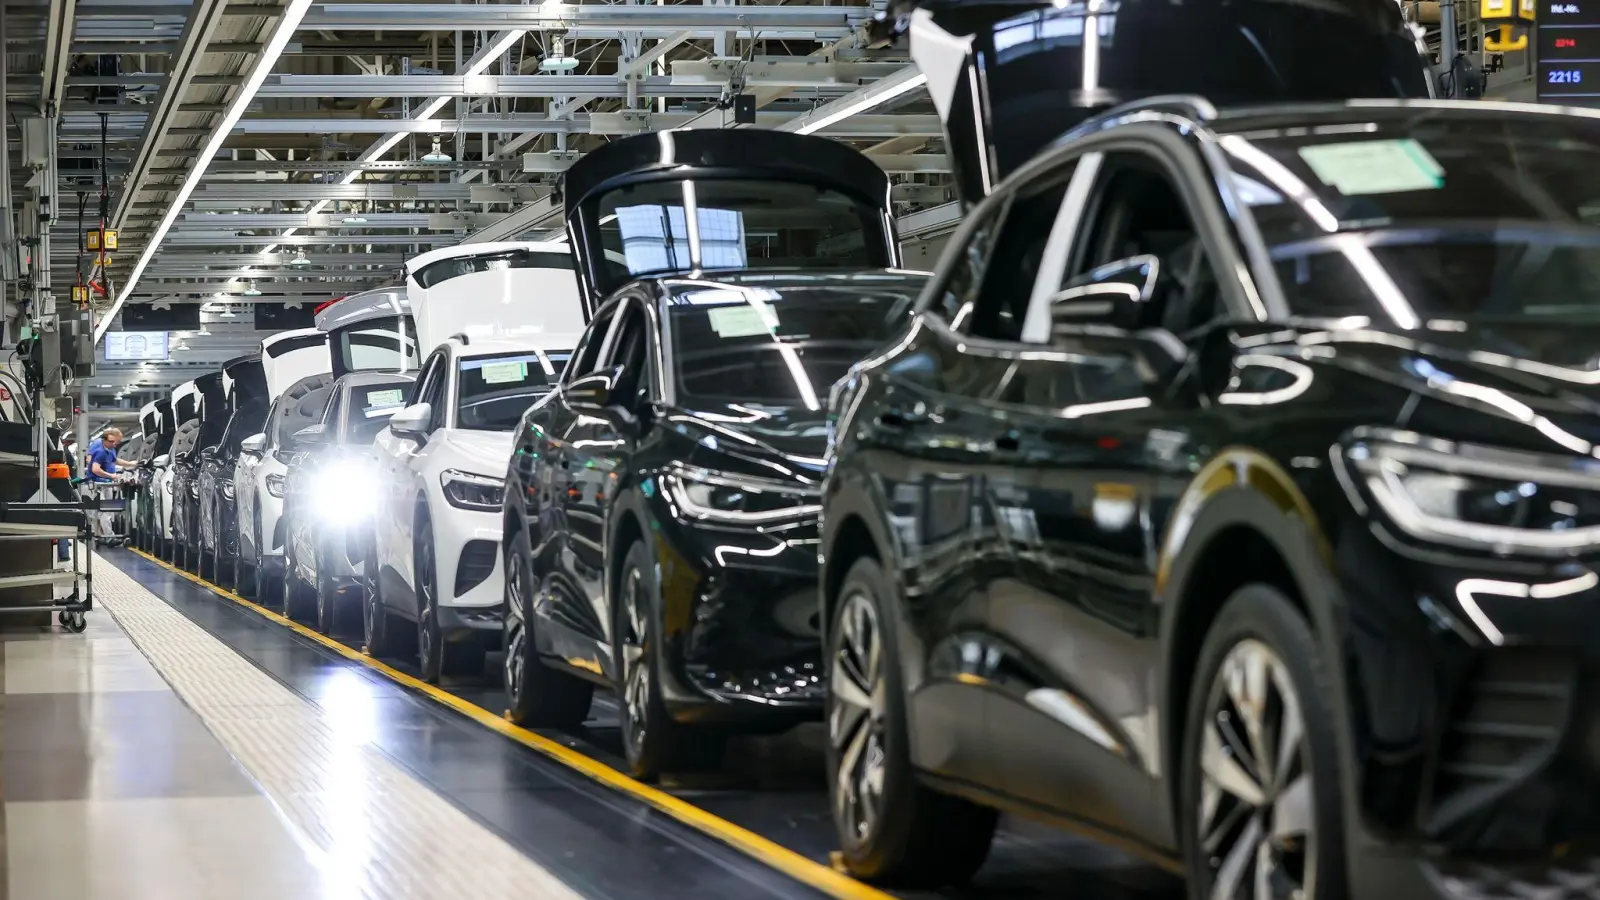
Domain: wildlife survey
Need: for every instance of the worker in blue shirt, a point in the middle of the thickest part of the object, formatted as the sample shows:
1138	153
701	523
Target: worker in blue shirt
103	456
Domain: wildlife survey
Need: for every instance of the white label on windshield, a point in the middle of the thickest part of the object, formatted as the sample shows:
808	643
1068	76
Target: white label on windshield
743	320
385	398
1375	167
504	372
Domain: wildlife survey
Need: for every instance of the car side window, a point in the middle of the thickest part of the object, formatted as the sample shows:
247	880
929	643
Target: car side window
436	390
957	290
1137	240
630	350
1001	304
586	358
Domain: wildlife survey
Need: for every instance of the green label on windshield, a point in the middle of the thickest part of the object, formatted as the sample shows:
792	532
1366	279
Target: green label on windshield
504	372
743	320
1375	167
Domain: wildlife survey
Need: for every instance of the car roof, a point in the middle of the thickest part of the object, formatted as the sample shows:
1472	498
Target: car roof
1286	115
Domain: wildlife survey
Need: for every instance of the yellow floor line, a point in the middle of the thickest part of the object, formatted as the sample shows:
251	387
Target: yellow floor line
802	869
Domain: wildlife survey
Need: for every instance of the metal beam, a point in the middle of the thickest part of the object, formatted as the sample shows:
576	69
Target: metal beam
556	16
57	53
623	122
270	260
232	239
928	221
894	163
237	167
475	86
796	71
829	117
518	223
244	192
435	221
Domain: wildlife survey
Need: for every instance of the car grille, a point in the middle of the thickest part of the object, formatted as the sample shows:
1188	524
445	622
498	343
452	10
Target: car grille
1506	724
477	561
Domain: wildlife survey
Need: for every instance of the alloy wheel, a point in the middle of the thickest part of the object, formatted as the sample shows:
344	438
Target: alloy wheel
857	701
516	631
1257	803
635	658
426	619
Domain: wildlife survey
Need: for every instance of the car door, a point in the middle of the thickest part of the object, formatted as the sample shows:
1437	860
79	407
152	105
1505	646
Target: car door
569	628
1102	415
305	475
596	465
398	454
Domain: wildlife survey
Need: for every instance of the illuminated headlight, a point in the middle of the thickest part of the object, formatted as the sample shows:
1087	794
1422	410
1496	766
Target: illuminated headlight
275	485
739	499
1469	495
343	493
465	490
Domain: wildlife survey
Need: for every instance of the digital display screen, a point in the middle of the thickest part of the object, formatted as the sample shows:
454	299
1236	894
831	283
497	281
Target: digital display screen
136	346
1569	52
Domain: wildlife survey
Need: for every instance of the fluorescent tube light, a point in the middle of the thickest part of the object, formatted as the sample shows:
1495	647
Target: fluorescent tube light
287	25
864	104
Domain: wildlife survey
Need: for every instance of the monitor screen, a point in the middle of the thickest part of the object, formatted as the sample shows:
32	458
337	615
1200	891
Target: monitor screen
136	345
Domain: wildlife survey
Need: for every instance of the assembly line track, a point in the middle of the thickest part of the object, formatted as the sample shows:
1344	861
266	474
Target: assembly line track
770	806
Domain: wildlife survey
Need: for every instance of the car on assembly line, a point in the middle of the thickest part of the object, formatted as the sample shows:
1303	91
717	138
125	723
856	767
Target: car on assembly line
330	493
660	505
188	452
155	420
441	470
288	359
373	331
1235	497
520	288
244	392
185	404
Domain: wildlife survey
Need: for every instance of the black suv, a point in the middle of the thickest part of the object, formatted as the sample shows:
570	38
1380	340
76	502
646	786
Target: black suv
244	388
660	518
1234	495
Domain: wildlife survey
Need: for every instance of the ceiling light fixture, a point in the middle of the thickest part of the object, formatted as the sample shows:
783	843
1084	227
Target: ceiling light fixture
436	155
250	289
868	100
558	60
359	219
300	258
288	24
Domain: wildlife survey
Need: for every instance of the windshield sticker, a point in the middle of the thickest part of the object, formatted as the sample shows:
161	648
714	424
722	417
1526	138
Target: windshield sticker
743	320
385	398
504	372
1375	167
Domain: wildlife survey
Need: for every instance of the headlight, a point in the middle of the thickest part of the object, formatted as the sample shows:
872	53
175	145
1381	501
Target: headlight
275	485
465	490
227	490
344	493
1469	495
739	499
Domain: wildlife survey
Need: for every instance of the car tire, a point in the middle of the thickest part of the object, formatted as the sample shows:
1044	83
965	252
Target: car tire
244	587
374	614
537	696
1261	656
909	835
327	594
299	603
652	741
430	642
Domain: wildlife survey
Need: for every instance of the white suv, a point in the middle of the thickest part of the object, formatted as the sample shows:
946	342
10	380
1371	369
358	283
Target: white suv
441	466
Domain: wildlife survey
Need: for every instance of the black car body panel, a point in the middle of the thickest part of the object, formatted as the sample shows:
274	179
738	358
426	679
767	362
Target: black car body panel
738	619
1064	514
211	417
245	391
1008	78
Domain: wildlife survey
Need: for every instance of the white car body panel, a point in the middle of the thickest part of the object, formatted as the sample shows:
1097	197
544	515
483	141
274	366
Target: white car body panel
540	306
252	501
283	371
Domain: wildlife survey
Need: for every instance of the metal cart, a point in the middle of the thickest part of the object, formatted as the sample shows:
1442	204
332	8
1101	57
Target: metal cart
38	522
109	524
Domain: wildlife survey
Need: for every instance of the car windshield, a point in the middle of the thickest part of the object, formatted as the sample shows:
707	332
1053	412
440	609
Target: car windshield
752	348
738	224
1427	218
368	407
492	392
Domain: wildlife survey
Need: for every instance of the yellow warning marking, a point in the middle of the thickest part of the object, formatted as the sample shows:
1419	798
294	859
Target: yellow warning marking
807	871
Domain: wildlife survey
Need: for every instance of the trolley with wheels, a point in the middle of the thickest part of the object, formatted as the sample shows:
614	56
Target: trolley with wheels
22	523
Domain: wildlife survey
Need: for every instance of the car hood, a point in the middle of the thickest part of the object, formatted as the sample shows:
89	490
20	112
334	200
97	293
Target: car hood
479	452
1529	386
783	444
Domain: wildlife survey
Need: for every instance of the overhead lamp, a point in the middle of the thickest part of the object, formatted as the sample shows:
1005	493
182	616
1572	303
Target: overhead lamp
250	289
181	346
436	155
226	313
359	219
869	98
558	60
300	258
288	23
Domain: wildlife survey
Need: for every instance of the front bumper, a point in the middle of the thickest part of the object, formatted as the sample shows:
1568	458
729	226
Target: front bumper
740	623
1475	689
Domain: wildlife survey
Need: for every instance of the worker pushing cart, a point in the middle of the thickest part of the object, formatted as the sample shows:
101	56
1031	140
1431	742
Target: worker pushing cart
103	482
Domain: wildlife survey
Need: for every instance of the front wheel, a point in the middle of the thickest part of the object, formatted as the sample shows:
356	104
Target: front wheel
891	828
299	602
327	593
1260	814
651	739
538	696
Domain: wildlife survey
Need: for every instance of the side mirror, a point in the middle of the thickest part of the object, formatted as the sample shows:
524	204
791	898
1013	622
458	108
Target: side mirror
591	394
1114	294
162	460
412	422
253	444
308	437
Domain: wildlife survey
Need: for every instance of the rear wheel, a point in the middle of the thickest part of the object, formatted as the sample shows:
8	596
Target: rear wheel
1260	814
374	615
328	598
538	696
651	739
891	827
299	601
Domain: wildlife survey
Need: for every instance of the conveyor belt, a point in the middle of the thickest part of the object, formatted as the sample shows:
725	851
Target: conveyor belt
615	837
